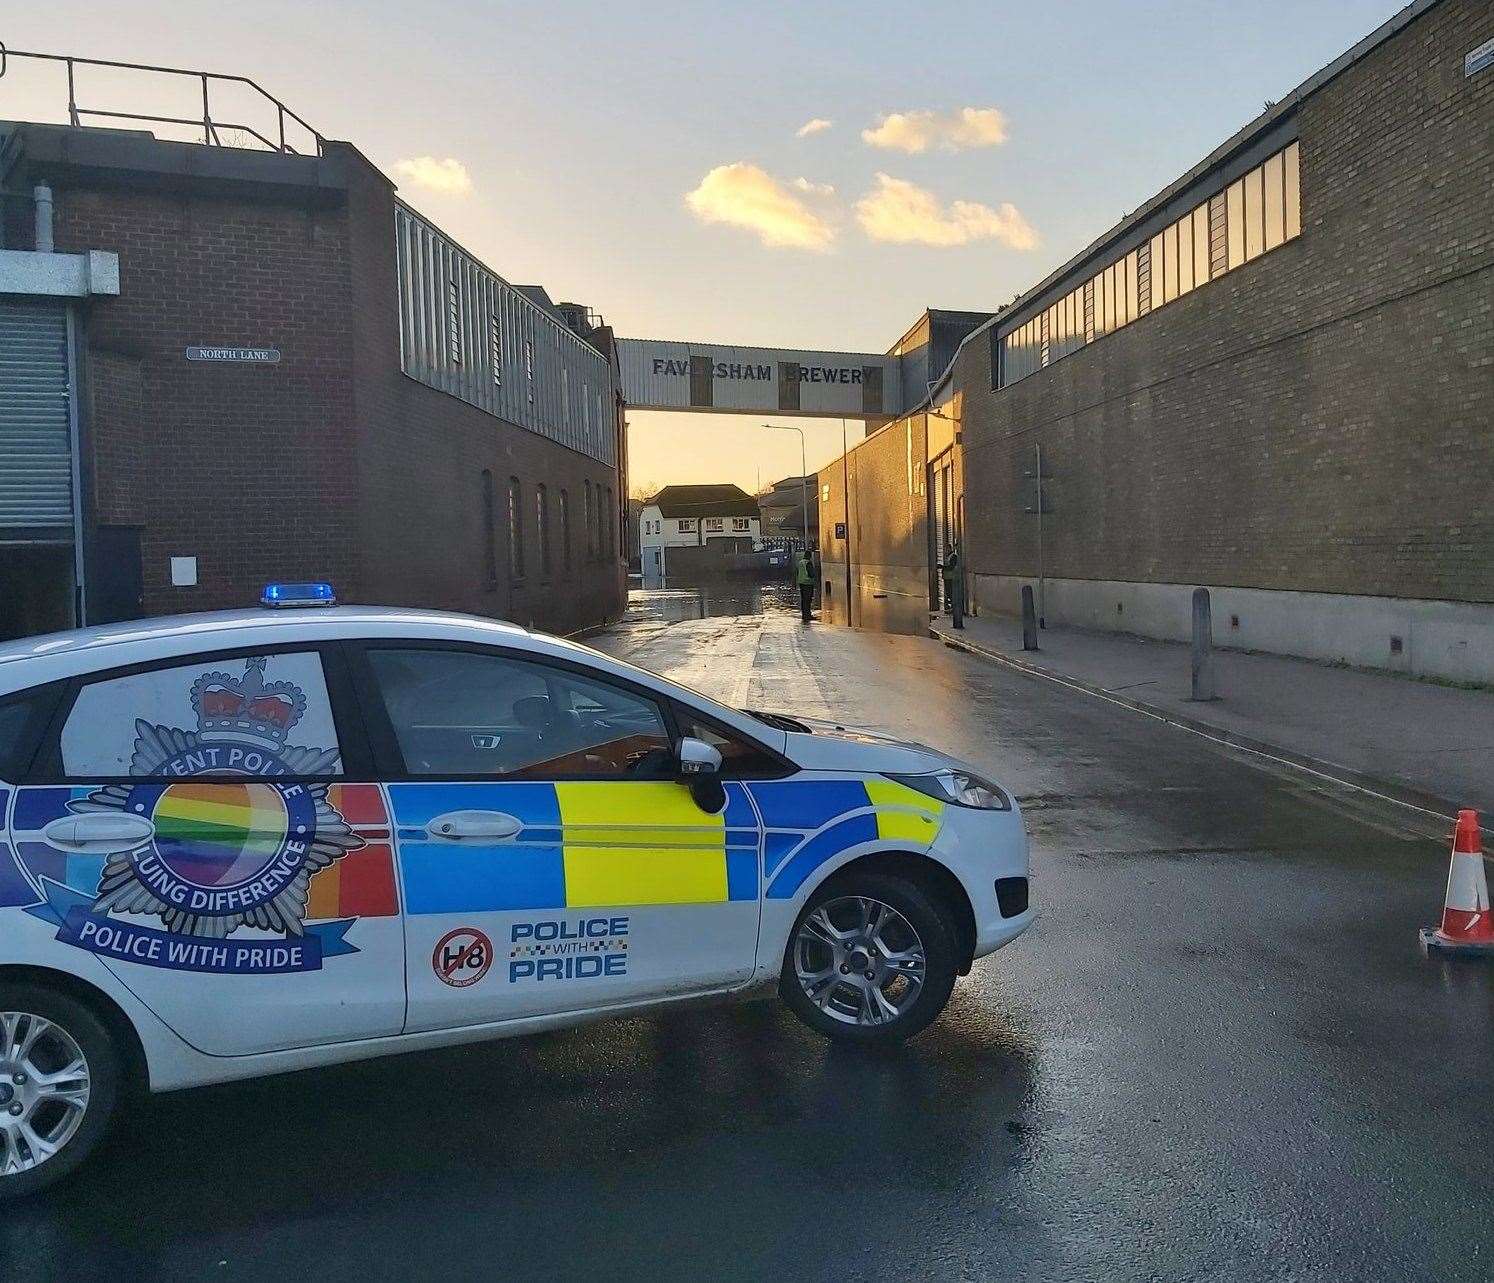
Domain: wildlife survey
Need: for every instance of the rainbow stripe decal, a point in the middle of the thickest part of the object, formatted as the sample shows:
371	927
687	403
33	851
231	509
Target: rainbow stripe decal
216	835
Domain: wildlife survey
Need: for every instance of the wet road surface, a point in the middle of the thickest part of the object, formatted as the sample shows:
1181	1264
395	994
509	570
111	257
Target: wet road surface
1218	1055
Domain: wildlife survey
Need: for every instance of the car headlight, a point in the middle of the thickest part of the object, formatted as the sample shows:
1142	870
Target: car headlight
959	787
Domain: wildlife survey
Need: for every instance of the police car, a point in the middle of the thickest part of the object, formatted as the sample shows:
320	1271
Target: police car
240	843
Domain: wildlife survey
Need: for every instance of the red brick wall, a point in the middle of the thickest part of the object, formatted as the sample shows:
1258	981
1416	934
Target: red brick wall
243	467
421	456
331	464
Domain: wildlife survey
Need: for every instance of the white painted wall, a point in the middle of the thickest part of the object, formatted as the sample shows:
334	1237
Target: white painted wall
658	533
1444	639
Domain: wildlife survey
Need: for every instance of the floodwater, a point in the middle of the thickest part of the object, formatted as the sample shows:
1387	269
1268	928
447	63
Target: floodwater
734	596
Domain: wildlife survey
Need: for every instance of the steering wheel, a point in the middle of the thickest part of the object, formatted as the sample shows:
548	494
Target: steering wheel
649	761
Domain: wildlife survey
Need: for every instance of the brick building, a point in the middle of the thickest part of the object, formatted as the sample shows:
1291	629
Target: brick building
224	366
1275	378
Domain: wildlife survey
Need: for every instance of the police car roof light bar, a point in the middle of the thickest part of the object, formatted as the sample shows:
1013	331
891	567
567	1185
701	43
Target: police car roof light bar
280	596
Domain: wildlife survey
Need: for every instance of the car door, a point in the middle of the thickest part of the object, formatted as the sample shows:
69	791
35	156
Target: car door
549	861
192	825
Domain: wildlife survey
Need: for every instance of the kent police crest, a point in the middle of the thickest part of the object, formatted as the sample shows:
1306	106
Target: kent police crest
223	853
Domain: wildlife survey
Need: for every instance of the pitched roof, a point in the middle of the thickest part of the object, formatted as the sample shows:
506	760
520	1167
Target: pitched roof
705	501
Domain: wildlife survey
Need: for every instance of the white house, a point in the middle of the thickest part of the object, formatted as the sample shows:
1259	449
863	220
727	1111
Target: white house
711	521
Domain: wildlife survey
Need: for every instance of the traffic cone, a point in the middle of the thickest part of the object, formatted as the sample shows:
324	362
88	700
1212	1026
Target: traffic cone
1467	924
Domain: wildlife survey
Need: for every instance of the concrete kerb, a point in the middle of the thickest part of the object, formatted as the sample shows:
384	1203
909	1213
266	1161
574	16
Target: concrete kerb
1428	804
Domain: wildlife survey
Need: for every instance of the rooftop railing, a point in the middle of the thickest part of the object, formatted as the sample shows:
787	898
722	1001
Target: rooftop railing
216	131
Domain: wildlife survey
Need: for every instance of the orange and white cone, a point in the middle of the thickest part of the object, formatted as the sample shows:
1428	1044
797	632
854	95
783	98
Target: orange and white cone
1467	923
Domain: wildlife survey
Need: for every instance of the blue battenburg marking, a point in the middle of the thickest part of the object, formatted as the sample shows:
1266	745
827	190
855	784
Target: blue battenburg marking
446	878
802	803
741	875
36	808
416	805
740	818
777	848
820	848
14	888
450	877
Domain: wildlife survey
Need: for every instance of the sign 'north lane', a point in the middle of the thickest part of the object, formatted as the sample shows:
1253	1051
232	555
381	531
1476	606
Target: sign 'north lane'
662	375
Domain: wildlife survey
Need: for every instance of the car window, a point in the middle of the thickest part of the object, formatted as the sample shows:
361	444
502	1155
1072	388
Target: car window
21	719
740	758
256	715
478	714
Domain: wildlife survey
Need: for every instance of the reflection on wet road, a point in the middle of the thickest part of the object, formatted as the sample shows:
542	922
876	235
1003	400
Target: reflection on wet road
1219	1055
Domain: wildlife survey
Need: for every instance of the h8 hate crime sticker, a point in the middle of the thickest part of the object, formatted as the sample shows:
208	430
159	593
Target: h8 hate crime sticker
462	957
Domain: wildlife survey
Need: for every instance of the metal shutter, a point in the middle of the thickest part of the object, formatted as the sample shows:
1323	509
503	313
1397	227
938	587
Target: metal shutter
36	470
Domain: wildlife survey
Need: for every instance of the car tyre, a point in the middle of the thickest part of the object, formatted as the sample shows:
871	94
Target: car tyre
74	1028
913	923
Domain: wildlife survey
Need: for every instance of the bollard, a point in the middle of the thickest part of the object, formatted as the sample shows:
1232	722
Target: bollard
1203	647
1029	619
957	602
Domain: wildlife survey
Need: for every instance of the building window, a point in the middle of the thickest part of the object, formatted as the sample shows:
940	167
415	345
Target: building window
489	530
1234	224
685	525
565	532
714	525
586	516
454	322
542	528
1253	215
1292	192
740	525
515	529
470	335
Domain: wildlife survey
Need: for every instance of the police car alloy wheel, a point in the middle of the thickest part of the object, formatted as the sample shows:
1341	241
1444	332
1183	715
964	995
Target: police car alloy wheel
58	1082
871	960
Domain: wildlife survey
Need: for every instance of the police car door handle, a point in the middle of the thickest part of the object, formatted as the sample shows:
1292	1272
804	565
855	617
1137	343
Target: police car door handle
120	831
457	825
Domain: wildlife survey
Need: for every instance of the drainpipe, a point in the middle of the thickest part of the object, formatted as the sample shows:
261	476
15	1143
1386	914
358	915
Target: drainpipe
43	195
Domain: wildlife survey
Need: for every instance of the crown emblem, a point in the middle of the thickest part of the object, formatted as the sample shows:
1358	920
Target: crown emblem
246	708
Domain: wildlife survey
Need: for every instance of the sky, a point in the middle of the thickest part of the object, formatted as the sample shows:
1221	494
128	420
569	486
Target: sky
792	175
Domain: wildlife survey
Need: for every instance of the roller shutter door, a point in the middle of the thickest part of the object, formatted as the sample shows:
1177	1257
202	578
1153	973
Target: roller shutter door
36	471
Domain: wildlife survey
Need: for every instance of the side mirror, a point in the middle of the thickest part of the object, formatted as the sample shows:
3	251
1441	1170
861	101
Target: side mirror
699	765
694	759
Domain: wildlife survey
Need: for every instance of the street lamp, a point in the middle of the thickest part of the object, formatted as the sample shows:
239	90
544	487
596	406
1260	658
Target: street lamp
803	474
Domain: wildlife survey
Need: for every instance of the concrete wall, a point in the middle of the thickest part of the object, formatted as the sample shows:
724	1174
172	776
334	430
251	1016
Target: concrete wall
1453	641
887	531
1313	426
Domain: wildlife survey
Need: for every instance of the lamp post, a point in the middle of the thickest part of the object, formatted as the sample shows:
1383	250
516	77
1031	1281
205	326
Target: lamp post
803	477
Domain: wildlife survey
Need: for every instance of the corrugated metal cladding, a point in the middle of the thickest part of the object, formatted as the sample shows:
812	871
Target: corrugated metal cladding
663	375
467	332
36	460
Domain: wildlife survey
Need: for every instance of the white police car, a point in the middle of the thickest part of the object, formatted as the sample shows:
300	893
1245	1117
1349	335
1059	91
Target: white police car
241	843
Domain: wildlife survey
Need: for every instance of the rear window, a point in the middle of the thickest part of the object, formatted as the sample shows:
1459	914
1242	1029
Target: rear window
22	720
247	715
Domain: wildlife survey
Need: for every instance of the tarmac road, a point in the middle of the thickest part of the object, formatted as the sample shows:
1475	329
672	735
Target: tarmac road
1218	1055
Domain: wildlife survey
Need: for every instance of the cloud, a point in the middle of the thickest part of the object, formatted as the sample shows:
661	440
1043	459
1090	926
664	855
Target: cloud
447	176
917	131
795	215
905	214
815	126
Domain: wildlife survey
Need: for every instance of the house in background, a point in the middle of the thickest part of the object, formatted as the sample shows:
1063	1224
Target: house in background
689	532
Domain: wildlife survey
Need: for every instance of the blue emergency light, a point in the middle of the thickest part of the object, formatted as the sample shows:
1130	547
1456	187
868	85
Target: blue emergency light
278	596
